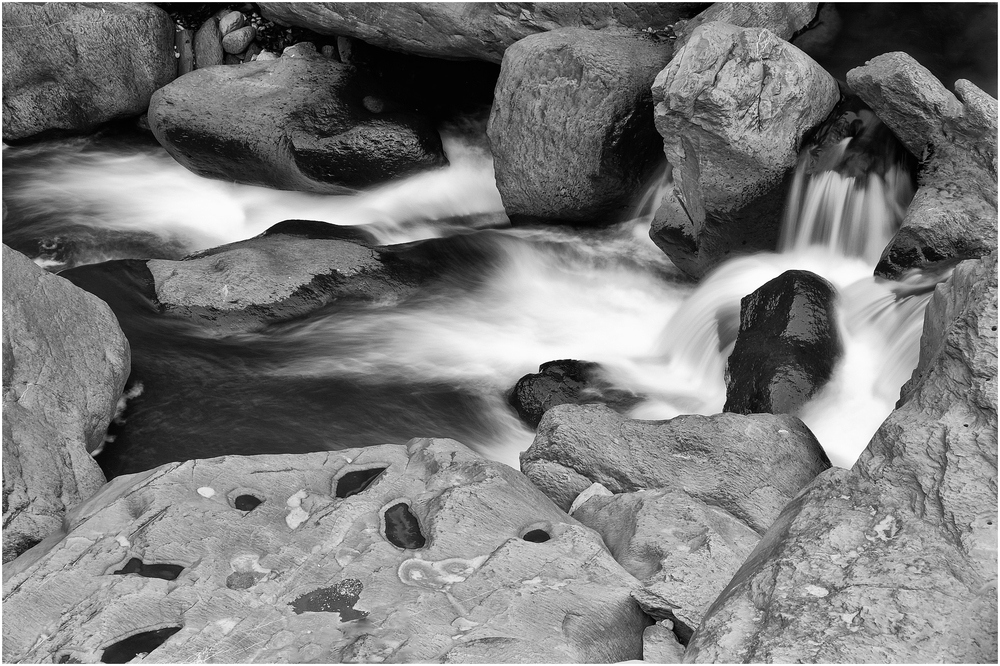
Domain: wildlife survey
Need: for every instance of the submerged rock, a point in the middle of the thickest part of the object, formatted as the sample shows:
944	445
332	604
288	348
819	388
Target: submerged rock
298	558
566	382
65	362
894	561
72	66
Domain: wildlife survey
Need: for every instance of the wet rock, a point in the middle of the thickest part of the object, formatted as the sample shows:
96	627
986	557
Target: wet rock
65	361
894	561
571	129
237	41
751	466
953	214
208	49
307	576
787	346
732	107
566	382
316	136
120	54
467	30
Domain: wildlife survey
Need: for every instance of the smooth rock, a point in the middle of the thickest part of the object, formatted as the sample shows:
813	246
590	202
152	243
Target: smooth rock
236	42
231	22
184	47
314	136
72	66
421	553
300	50
65	362
477	30
660	644
953	214
732	108
894	561
571	128
751	466
208	49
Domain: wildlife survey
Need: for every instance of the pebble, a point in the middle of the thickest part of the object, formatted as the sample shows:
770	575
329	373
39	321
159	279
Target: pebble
238	40
231	22
300	50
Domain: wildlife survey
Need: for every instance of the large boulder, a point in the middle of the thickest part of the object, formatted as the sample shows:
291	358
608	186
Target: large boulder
784	19
751	466
571	129
787	346
292	123
566	382
419	553
72	66
65	362
953	214
732	108
479	30
894	561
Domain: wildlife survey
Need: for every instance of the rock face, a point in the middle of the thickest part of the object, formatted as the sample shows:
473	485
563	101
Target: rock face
417	553
784	19
480	31
751	466
571	129
732	107
65	362
787	346
565	382
291	123
953	214
894	561
120	54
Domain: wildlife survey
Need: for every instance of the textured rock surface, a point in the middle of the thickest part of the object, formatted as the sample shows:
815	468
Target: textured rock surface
566	382
748	465
953	215
120	54
479	30
732	107
294	559
208	44
894	561
784	19
65	362
571	129
787	346
291	123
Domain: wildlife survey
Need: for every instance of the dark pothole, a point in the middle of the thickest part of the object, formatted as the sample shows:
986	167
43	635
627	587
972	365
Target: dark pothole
337	599
164	571
247	502
537	536
143	643
401	527
358	481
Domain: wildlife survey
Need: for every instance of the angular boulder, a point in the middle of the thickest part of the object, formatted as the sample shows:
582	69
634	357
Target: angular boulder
419	553
732	108
566	382
953	214
120	54
290	123
894	561
571	128
751	466
787	346
65	362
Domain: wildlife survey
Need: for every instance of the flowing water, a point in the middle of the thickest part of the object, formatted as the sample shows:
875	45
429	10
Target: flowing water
439	363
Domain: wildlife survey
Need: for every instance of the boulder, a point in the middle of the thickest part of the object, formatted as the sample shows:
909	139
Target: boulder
120	54
231	22
65	362
480	30
953	214
784	19
787	346
732	108
571	128
237	41
566	382
316	135
894	561
420	553
208	49
751	466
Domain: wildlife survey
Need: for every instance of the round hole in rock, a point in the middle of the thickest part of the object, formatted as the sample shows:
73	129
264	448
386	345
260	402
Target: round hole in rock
129	648
247	502
357	481
537	536
401	527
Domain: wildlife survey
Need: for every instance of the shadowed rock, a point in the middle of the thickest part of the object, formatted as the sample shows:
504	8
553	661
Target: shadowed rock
566	382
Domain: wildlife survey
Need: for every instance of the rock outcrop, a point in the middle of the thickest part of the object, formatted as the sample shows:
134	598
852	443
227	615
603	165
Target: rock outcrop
119	55
751	466
894	561
953	214
732	107
290	123
566	382
417	553
65	362
571	129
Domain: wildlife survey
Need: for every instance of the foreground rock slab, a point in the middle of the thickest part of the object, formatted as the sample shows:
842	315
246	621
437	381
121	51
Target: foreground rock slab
65	362
894	561
417	553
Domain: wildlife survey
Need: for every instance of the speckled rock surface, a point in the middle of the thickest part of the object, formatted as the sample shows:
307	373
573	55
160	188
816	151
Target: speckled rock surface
751	466
443	556
894	561
120	54
65	362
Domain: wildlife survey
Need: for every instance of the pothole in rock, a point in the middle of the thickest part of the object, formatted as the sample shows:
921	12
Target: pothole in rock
164	571
143	643
401	527
357	481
